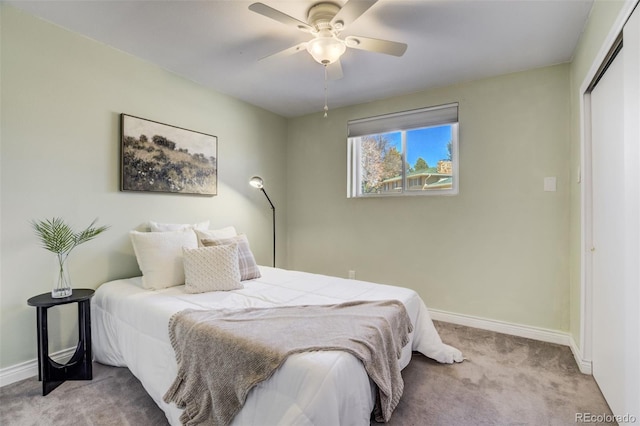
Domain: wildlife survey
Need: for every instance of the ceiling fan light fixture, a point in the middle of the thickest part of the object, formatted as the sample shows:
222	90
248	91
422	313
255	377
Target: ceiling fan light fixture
326	50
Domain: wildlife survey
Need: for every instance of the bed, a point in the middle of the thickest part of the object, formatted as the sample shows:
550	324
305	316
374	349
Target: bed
130	328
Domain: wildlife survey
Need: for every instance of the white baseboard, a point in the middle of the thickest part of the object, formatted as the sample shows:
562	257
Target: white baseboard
583	364
529	332
28	369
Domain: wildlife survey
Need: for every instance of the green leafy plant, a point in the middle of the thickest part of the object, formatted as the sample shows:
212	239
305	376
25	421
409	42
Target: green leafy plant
59	238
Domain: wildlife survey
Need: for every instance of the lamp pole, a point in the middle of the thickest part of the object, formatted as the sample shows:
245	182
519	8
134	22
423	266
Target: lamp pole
257	182
273	214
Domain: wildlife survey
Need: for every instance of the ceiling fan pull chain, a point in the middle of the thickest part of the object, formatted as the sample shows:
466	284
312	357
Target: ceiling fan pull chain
326	108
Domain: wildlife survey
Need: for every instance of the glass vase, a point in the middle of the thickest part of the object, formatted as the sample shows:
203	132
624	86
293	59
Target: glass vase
61	283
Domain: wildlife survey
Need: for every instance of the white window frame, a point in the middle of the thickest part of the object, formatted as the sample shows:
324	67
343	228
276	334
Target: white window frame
401	122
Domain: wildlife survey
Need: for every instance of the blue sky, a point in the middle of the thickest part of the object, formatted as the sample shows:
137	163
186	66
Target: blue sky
429	143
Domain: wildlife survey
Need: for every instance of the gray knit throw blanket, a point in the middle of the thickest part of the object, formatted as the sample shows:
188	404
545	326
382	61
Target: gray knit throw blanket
222	354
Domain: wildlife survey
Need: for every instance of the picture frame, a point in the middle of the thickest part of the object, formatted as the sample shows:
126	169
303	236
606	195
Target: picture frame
158	157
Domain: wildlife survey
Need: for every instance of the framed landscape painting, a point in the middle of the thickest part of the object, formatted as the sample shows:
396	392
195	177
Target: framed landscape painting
157	157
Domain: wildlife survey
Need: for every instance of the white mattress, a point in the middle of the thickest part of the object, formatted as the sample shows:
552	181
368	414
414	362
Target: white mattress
130	328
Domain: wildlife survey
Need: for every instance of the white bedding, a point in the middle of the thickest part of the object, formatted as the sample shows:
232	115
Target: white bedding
130	328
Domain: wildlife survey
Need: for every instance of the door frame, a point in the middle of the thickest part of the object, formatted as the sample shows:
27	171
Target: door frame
583	351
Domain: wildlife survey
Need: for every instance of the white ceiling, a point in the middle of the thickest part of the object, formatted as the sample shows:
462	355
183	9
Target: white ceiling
218	43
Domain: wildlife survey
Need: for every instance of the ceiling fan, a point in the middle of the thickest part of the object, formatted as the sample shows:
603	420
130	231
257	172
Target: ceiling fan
325	21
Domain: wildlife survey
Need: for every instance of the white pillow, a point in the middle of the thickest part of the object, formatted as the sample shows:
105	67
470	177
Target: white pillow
166	227
246	261
211	269
215	234
159	256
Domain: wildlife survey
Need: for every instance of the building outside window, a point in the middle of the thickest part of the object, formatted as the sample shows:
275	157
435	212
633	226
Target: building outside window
407	153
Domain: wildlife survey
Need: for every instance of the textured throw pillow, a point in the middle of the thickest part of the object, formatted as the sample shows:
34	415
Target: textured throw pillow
159	256
166	227
246	262
214	234
211	269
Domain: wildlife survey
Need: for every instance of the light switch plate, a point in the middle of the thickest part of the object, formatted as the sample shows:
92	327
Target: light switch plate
550	184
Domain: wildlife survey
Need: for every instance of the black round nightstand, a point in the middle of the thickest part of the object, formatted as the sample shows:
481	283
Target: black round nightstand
51	373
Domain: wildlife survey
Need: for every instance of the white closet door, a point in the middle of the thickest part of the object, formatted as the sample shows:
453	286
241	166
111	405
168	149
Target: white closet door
607	139
632	213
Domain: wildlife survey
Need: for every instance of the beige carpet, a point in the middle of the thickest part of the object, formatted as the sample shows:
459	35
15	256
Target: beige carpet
505	381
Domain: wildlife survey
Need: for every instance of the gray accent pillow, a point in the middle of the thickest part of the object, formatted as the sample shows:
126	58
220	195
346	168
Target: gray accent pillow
246	262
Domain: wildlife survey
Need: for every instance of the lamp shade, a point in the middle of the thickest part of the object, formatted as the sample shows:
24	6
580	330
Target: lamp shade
256	182
326	50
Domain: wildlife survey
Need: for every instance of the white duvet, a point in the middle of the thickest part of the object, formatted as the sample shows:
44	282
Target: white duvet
130	329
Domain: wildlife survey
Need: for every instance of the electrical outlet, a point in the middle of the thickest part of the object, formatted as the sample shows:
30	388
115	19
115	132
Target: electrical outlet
352	275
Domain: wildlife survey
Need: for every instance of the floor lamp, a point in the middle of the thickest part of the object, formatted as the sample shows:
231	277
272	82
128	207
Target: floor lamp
258	183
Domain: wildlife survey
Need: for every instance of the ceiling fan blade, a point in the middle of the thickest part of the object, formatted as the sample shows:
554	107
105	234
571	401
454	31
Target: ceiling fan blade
375	45
272	13
334	71
351	11
288	51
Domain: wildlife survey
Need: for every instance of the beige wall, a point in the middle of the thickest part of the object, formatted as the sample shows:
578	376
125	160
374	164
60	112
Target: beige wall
603	16
497	250
61	99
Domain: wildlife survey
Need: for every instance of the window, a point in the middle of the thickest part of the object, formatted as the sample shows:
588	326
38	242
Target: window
406	153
